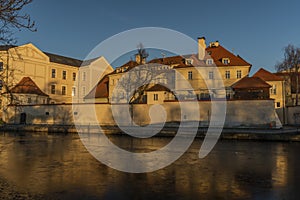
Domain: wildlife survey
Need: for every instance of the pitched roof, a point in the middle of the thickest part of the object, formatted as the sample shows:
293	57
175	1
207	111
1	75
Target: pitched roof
158	87
250	82
6	47
53	57
267	76
130	64
100	90
63	60
219	52
169	60
27	86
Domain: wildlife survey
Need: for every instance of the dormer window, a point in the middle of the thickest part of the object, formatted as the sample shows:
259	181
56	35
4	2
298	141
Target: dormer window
124	69
209	61
225	61
188	61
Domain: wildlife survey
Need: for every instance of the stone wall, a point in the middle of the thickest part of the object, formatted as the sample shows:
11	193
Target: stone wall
247	113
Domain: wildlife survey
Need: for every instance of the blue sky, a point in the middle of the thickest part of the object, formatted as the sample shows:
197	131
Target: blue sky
256	30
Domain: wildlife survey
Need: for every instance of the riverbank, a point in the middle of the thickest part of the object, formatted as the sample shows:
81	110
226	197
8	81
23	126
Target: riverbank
287	133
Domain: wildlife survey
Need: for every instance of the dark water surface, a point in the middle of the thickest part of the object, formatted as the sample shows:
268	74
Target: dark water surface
43	166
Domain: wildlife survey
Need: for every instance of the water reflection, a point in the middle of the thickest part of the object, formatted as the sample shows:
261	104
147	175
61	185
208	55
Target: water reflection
59	166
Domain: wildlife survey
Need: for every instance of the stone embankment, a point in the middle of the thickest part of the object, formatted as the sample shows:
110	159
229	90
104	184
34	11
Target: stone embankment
239	133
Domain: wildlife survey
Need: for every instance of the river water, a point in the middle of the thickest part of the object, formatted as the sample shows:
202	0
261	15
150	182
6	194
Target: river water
55	166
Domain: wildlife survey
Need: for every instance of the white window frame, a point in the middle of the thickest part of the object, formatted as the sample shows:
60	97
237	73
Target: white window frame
190	75
73	91
211	75
64	75
227	74
239	74
53	73
63	90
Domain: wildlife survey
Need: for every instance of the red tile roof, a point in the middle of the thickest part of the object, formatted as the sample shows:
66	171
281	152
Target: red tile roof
169	60
27	86
158	87
267	76
130	64
100	90
250	82
219	52
216	53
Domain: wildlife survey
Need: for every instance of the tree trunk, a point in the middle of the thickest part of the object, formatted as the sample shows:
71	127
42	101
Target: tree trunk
297	85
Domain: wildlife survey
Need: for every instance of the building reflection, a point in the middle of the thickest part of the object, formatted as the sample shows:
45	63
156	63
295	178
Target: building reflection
60	164
279	172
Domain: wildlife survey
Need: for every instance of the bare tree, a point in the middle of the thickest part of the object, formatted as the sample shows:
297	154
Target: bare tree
142	53
291	64
140	79
11	19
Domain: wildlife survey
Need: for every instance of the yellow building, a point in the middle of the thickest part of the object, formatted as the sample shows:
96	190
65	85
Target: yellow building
277	91
182	74
215	68
57	76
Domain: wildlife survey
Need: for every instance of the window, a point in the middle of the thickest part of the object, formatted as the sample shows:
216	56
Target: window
155	97
52	89
74	76
64	75
1	84
211	75
189	61
29	100
239	74
225	61
209	61
73	91
277	104
53	73
227	74
1	66
83	91
83	76
273	90
190	75
63	90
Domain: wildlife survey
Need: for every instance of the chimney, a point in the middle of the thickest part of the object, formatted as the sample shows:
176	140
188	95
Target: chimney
214	44
139	60
201	48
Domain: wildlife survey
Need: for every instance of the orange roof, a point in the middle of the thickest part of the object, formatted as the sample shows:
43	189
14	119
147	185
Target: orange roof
100	90
250	82
219	52
27	86
266	75
130	64
169	60
215	52
158	87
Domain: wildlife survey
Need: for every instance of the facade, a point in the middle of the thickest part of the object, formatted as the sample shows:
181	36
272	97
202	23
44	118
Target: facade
277	90
89	73
26	92
290	86
56	76
187	76
217	69
251	88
